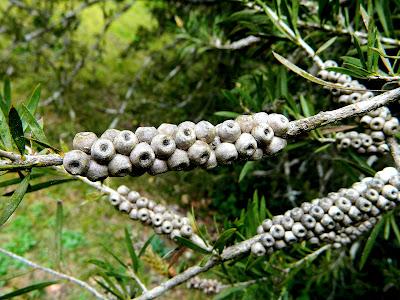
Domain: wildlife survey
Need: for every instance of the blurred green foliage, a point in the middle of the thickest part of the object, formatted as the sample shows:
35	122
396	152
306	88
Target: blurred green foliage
126	63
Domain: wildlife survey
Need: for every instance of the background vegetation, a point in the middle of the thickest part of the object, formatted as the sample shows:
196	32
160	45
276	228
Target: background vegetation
124	63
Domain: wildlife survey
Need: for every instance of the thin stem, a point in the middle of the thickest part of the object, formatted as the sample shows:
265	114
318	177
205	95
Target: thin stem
54	273
395	151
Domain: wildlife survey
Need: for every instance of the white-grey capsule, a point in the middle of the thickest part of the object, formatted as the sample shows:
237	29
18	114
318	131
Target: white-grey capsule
279	244
199	153
158	167
120	166
390	192
246	145
277	219
316	212
186	230
366	120
325	203
205	131
114	199
145	134
246	123
168	129
323	74
83	141
372	149
134	214
287	222
276	145
383	203
187	124
386	174
327	222
125	141
167	215
391	127
354	97
143	214
177	222
306	206
344	99
378	136
279	123
76	162
343	204
377	123
277	231
163	146
343	78
383	148
142	202
308	221
96	172
142	156
257	155
174	234
372	195
158	230
229	131
260	229
179	160
347	220
226	153
109	134
184	138
133	196
395	181
123	190
335	213
167	227
290	237
102	150
354	213
263	134
299	230
125	206
356	143
211	162
258	249
296	213
266	224
318	228
267	240
374	211
367	95
330	63
363	204
260	118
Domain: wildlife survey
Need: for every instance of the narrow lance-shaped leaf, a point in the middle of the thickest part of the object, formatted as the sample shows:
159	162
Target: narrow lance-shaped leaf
58	234
27	289
370	242
30	120
15	200
7	94
5	133
33	101
131	250
17	132
189	244
223	239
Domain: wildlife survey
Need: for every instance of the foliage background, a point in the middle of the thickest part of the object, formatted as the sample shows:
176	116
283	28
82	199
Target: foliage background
126	64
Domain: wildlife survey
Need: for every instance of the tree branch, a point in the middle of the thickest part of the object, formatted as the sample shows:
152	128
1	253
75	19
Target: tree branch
54	273
395	151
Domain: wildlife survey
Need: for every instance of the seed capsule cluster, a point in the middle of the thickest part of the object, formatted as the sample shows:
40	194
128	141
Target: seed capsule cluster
379	123
175	147
163	220
208	286
339	218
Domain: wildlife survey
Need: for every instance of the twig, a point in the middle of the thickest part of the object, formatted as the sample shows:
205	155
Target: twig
296	128
9	155
308	257
138	281
239	44
54	273
395	151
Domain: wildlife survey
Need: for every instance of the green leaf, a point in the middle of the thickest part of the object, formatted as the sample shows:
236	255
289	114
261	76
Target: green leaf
226	114
146	244
306	75
229	292
44	185
33	101
248	166
17	132
131	250
359	51
326	45
27	289
370	242
36	129
306	107
15	200
58	233
189	244
5	133
44	145
7	95
223	238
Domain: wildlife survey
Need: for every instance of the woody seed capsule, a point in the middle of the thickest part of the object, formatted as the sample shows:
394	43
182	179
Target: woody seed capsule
267	240
142	156
76	162
299	230
258	249
168	129
246	145
276	145
83	141
125	141
146	134
229	131
226	153
205	131
96	172
120	166
184	138
158	167
109	134
186	230
246	123
279	124
263	134
199	153
102	150
163	146
179	160
123	190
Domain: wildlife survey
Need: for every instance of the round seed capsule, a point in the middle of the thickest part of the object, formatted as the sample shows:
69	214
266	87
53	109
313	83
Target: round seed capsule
143	214
383	148
267	240
366	121
325	204
174	234
229	131
345	143
125	141
276	145
395	181
383	203
287	222
199	153
263	134
109	134
83	141
168	129
158	167
323	74
344	99
119	166
102	150
343	78
133	196
211	162
356	143
318	229
167	227
390	192
185	137
260	118
386	174
186	230
327	222
372	149
330	63
377	123
257	155
296	213
96	172
316	212
378	136
125	206
142	202
187	124
177	222
277	231
299	230
280	244
226	153
114	199
205	131
336	213
142	156
159	209
123	190
179	160
266	224
308	221
354	97
163	146
306	206
354	213
363	204
290	237
246	145
279	124
134	214
367	95
246	123
391	127
258	249
146	134
76	162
